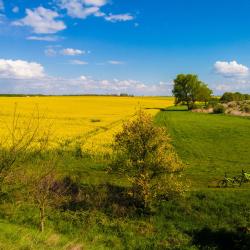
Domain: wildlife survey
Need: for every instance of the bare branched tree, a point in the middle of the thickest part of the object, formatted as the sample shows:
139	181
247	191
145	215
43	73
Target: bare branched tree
46	190
23	135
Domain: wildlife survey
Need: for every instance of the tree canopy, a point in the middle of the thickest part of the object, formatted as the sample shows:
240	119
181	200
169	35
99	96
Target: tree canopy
145	155
229	97
189	89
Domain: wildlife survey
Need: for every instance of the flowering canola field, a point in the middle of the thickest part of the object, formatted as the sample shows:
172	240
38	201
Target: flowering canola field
93	120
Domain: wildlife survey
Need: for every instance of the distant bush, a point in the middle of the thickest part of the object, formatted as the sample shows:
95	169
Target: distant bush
212	102
95	120
193	106
219	109
230	97
246	108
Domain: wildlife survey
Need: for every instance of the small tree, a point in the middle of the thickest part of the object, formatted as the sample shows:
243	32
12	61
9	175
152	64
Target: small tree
189	89
145	155
46	190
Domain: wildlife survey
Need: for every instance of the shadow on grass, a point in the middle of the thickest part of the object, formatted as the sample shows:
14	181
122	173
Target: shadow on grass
113	200
170	109
222	239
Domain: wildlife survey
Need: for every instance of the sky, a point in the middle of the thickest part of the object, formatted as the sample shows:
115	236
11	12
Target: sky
116	46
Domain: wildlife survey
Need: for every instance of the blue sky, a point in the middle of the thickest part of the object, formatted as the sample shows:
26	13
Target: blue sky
134	46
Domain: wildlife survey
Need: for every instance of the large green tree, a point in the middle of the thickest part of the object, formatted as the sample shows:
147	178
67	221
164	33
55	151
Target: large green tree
189	89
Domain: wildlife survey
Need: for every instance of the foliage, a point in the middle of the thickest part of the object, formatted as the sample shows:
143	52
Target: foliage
189	89
145	155
212	102
97	215
219	109
229	97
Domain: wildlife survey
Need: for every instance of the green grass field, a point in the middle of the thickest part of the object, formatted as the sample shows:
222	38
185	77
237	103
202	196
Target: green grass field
209	144
206	218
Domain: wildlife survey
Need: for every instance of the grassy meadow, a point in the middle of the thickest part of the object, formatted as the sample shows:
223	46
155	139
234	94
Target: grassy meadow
207	217
209	144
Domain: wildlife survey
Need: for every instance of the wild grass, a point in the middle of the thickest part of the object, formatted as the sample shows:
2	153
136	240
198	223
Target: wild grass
210	144
205	218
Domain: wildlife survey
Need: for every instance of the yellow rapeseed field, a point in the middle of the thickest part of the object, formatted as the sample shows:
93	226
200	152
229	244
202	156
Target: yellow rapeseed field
93	120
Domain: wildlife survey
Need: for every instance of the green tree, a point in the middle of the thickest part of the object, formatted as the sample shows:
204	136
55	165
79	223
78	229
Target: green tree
230	97
189	89
144	154
227	97
204	93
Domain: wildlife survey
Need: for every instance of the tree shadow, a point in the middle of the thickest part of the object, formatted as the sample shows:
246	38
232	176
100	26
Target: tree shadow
167	109
222	239
111	199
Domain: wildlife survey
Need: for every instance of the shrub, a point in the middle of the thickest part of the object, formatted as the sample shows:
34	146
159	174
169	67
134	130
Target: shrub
229	97
219	109
193	106
246	108
144	154
95	120
212	102
78	151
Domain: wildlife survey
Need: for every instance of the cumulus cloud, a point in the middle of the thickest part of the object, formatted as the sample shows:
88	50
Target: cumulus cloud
119	17
231	69
19	69
42	21
84	8
95	2
72	52
79	8
242	86
83	85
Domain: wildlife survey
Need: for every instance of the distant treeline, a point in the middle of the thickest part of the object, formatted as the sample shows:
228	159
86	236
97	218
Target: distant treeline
19	95
230	97
41	95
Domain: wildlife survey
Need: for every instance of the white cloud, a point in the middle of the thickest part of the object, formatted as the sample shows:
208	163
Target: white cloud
83	85
15	9
50	52
119	17
114	62
231	69
85	8
42	21
95	2
83	78
19	69
78	62
44	38
78	9
1	5
72	52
